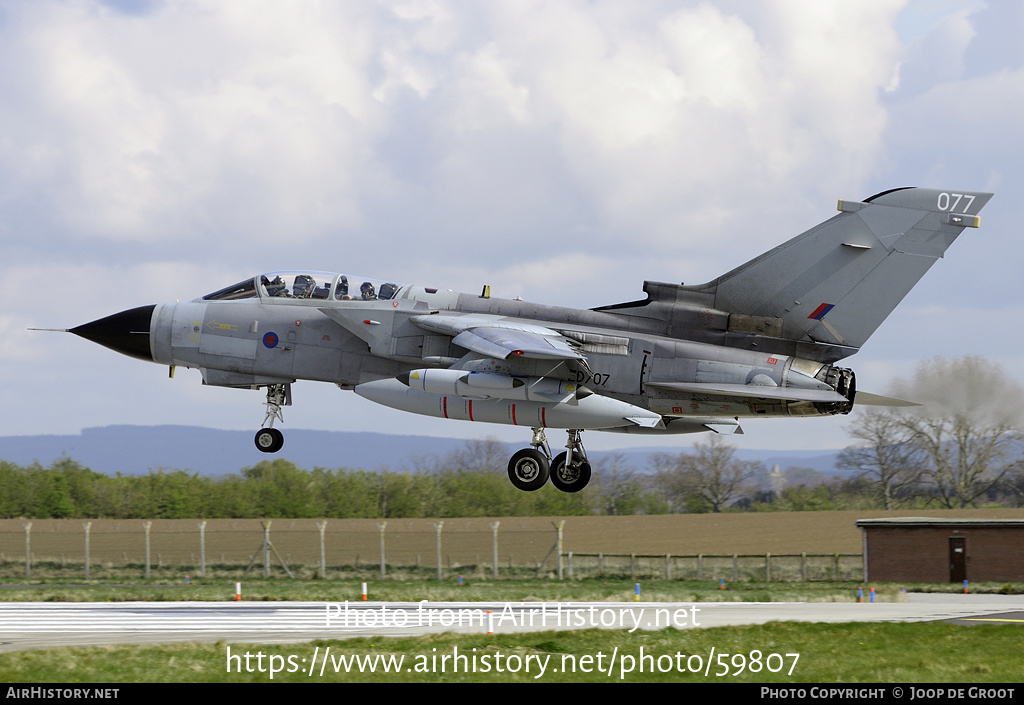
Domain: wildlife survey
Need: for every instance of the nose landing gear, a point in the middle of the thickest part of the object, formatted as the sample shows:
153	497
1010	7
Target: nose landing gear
269	439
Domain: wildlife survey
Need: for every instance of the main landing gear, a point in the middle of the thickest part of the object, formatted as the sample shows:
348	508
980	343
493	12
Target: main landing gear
531	467
269	439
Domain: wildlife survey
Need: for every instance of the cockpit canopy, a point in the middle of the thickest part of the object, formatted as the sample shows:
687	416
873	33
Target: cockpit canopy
323	286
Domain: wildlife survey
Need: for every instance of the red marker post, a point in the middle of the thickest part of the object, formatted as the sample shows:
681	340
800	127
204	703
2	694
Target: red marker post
364	592
238	592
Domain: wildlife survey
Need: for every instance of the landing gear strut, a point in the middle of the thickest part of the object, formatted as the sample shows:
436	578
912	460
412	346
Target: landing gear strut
269	439
530	468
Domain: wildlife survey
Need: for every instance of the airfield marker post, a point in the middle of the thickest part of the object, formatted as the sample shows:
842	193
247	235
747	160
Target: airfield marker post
490	622
965	587
364	592
860	594
238	592
637	597
872	594
721	583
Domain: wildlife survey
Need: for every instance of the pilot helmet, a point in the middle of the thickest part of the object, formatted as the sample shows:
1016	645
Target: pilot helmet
342	288
367	291
276	286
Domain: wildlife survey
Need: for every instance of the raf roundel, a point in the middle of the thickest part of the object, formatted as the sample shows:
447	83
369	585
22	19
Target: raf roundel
270	340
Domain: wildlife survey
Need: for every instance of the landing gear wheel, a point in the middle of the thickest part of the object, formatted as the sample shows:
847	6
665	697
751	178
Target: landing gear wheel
528	470
269	440
569	478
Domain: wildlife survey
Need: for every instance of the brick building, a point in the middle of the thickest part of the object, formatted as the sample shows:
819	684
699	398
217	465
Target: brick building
924	549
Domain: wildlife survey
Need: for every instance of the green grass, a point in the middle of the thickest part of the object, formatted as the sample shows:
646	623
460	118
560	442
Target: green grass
280	589
829	653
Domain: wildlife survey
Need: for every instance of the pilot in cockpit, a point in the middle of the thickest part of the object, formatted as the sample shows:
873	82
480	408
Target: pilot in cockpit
277	287
341	290
367	291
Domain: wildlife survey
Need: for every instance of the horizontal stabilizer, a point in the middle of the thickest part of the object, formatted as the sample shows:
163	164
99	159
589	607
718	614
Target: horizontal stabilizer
754	391
725	429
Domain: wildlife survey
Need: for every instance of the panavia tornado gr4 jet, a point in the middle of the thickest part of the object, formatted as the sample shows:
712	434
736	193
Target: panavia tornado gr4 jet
760	341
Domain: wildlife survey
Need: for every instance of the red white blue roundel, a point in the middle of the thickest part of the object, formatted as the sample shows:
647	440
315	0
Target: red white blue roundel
270	340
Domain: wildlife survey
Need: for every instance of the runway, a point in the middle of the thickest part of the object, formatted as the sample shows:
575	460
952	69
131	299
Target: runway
33	625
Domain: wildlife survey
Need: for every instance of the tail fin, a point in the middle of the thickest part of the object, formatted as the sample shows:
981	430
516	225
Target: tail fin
837	282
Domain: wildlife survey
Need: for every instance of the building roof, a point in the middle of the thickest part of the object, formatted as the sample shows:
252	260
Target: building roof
938	522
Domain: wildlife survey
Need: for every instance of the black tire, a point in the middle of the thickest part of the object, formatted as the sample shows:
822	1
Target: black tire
569	479
528	470
269	440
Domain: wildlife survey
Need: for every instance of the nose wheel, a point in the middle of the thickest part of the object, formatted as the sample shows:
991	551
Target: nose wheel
269	439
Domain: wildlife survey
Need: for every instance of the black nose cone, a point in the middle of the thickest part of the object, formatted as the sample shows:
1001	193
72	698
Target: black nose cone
126	332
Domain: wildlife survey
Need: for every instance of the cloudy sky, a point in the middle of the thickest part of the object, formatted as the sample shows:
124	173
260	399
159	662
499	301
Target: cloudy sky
562	151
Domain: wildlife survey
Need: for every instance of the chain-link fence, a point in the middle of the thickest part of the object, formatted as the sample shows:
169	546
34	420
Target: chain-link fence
396	548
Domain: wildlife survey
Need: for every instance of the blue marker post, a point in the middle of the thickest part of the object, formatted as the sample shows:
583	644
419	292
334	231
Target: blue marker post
721	583
965	587
186	579
860	594
637	599
872	594
460	581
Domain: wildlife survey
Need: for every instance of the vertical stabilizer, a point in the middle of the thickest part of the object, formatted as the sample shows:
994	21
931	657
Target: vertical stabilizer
837	282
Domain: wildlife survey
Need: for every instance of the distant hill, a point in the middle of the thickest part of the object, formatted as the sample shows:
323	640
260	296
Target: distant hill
134	450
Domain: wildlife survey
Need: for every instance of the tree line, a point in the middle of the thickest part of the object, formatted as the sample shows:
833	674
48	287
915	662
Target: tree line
962	447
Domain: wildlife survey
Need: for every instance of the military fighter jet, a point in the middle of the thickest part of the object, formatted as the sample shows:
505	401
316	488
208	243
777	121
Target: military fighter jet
760	341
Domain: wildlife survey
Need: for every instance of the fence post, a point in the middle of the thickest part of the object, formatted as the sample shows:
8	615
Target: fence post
835	567
668	566
321	525
266	547
571	574
87	525
768	567
202	549
28	551
558	546
146	525
803	566
437	527
383	560
735	569
494	548
700	567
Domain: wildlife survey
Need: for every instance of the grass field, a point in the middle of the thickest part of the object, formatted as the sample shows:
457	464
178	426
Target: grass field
276	589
